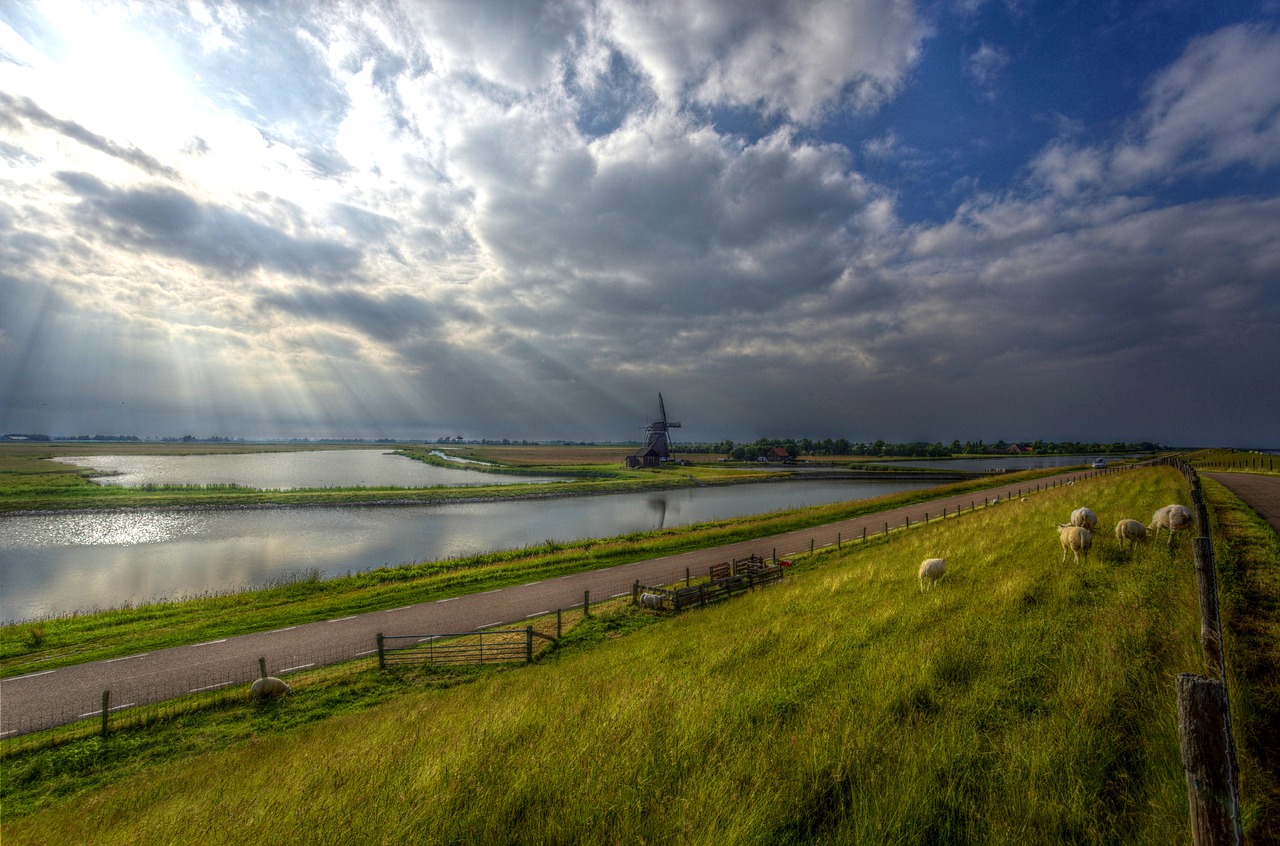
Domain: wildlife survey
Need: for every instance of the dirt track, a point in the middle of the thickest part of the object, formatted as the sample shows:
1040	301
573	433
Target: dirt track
46	699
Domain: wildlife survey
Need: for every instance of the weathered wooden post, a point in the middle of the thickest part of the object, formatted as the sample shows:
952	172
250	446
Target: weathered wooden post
811	546
1208	761
838	539
586	603
106	703
262	668
528	644
635	592
1210	620
687	577
864	534
382	655
558	629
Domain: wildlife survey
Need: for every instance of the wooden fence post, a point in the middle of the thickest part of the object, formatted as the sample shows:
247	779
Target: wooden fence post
1210	620
635	592
106	703
557	624
1208	761
262	667
382	655
586	603
528	644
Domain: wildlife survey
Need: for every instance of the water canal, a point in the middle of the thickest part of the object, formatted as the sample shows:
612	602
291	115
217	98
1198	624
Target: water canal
53	564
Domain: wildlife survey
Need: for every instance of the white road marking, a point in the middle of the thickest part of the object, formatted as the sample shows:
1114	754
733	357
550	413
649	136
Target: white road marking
286	629
401	608
31	675
299	667
211	642
490	625
366	652
126	658
210	687
450	599
340	619
536	614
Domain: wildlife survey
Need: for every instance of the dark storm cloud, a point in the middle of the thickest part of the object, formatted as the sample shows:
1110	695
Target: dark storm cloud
13	108
229	242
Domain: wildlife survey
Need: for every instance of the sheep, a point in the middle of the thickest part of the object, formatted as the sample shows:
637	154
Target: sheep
1084	518
268	687
1075	538
1171	517
931	569
1131	531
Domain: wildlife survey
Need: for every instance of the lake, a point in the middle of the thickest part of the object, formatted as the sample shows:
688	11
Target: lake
53	564
343	468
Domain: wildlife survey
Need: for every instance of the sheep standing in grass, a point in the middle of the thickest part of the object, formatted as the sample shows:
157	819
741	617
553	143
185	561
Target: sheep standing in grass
1075	538
932	570
1084	518
1172	517
268	687
1131	531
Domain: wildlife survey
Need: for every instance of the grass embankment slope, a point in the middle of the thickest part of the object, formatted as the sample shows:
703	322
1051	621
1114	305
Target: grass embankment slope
1022	701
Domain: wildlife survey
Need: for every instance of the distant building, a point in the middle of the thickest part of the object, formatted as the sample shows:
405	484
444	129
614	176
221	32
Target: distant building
778	455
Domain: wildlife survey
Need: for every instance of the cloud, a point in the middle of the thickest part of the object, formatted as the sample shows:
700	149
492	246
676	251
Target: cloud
231	243
15	109
1213	109
797	60
985	65
1217	106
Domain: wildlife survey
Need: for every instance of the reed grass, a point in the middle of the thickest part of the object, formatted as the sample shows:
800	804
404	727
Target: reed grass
1019	701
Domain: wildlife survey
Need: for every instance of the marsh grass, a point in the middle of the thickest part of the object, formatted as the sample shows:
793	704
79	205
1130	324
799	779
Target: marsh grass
1019	701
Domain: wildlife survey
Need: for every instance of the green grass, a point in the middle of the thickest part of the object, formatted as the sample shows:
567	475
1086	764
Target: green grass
1020	701
1247	554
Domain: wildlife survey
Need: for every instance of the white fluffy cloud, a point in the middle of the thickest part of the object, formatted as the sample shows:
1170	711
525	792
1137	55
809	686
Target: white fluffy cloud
525	219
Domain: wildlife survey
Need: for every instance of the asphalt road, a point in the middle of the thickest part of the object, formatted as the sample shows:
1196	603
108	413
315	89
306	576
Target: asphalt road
1261	493
46	699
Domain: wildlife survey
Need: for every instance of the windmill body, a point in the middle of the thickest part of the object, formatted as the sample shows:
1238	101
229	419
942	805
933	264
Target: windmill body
657	445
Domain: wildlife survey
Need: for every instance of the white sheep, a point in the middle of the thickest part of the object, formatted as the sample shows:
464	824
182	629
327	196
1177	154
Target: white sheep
1171	517
1075	538
931	569
1084	518
268	687
1131	531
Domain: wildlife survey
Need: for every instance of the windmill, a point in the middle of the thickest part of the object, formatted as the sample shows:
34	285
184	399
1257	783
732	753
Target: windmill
657	445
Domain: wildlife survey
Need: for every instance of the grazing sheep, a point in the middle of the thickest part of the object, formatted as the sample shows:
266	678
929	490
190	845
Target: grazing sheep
1075	538
651	600
268	687
1171	517
931	569
1131	531
1084	518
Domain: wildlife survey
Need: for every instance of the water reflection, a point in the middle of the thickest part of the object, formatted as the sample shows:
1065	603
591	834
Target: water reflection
60	563
286	470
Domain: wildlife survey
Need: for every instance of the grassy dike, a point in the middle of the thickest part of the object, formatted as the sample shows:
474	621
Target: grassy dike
1021	701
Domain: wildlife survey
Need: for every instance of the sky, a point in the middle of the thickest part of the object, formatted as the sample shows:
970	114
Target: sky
872	219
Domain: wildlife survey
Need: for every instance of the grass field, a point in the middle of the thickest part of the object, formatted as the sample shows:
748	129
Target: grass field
1020	701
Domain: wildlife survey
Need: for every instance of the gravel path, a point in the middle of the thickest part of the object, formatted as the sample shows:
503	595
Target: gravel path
46	699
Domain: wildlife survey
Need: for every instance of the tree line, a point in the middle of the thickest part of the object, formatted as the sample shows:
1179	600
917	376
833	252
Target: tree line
797	447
